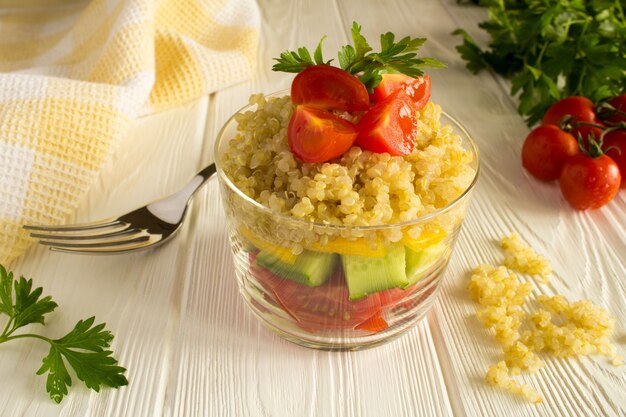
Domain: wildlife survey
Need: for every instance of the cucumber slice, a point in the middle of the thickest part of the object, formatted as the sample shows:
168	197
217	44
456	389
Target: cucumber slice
366	275
418	263
310	268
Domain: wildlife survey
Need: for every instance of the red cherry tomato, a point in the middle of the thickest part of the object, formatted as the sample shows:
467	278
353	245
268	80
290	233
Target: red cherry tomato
589	183
614	146
329	88
318	136
376	323
581	108
418	89
390	298
545	151
389	126
619	103
586	131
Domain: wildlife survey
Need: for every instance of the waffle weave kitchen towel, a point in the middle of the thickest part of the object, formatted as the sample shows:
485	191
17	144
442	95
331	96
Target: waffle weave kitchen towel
73	76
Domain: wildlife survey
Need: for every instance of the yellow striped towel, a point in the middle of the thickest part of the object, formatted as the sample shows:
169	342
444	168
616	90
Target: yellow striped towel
74	74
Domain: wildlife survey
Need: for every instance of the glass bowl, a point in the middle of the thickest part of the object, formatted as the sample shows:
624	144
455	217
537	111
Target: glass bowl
337	287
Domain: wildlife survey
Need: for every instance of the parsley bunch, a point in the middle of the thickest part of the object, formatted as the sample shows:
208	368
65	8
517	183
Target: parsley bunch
84	348
359	60
552	49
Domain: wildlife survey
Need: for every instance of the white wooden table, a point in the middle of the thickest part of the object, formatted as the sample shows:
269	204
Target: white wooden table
192	348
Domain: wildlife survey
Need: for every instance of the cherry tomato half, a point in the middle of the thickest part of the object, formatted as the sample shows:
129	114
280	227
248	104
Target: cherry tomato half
615	147
329	88
374	324
418	89
589	183
581	108
389	126
318	136
545	150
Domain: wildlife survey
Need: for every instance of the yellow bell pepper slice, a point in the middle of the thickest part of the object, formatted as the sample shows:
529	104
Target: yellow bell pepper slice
343	246
284	254
426	239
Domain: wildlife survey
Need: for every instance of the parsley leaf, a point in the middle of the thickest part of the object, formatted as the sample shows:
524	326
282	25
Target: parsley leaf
28	307
84	348
6	288
358	58
292	61
351	58
552	49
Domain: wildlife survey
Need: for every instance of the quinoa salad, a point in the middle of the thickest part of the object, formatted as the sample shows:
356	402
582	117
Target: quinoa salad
344	197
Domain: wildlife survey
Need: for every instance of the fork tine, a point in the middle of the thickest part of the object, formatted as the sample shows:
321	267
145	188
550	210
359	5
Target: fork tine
73	227
108	250
125	231
96	244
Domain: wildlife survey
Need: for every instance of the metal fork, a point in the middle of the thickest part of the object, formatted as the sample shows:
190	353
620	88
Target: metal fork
144	227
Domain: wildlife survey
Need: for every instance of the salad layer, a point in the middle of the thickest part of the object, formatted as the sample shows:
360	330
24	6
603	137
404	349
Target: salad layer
359	188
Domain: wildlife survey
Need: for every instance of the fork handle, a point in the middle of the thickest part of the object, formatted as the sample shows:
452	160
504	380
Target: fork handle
206	174
171	209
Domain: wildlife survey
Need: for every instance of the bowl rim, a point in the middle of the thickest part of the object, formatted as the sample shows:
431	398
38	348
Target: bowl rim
310	224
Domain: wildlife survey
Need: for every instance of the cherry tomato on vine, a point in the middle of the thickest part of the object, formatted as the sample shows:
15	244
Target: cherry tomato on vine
586	131
589	183
418	89
581	108
315	135
619	103
545	150
329	88
389	126
614	146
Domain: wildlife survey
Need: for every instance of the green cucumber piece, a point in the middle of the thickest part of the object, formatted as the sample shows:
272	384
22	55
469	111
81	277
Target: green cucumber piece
366	275
418	263
310	268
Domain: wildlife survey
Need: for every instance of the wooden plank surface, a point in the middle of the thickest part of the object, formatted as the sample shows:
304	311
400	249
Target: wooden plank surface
189	344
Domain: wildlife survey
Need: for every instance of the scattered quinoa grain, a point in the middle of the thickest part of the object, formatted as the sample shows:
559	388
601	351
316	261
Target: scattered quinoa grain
519	356
492	286
498	375
520	257
572	329
557	327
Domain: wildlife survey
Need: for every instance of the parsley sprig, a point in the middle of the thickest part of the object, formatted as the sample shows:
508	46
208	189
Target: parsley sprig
296	61
84	348
552	49
358	59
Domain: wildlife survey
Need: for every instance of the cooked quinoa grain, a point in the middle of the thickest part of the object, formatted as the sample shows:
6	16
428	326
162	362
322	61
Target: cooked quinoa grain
360	188
571	329
558	327
498	375
520	257
500	296
495	286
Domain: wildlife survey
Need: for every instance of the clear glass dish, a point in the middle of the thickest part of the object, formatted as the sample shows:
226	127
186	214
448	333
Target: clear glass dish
338	287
